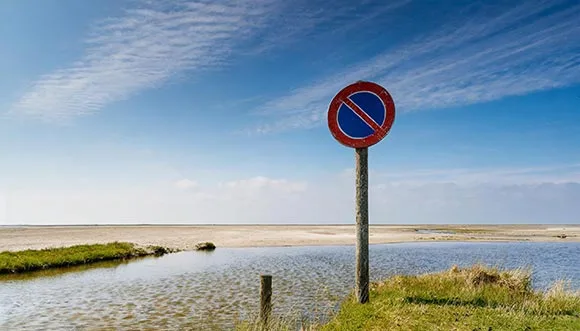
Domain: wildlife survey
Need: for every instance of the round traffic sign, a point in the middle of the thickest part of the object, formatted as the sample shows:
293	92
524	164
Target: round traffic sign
361	114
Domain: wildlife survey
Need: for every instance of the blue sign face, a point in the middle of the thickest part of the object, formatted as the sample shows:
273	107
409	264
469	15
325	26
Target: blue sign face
367	116
361	114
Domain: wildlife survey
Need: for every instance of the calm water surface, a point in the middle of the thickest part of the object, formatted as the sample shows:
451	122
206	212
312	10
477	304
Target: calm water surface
191	290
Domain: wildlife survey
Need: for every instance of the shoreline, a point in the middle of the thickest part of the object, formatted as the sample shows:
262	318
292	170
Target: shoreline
418	225
26	261
482	241
185	237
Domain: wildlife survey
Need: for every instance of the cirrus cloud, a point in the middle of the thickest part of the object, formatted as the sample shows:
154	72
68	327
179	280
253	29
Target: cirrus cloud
490	53
156	41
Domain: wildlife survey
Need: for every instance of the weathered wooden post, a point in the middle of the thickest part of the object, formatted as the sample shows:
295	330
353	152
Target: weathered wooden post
359	116
265	298
362	225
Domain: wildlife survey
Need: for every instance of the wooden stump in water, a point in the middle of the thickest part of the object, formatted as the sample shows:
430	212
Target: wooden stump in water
265	298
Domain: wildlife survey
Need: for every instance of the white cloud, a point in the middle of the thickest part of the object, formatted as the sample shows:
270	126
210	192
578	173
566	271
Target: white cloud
142	50
309	21
256	199
3	211
491	54
160	40
451	203
264	183
185	184
276	201
556	174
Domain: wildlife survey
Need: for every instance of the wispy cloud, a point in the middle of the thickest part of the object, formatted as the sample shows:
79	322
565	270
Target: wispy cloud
554	174
309	21
488	53
160	40
3	216
261	183
491	53
143	49
185	184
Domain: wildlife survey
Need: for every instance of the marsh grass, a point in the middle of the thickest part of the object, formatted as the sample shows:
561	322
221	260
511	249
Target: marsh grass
474	298
31	260
290	321
51	272
296	317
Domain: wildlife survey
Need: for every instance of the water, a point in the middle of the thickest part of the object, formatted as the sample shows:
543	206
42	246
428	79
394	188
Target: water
428	231
191	290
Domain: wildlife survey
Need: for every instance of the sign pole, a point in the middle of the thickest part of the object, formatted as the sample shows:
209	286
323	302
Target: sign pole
359	116
362	225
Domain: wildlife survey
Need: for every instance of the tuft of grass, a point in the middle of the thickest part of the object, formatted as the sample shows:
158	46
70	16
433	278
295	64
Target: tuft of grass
288	322
474	298
295	317
31	260
205	246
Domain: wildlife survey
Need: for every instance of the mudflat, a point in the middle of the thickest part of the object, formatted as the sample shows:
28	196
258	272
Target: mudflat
186	236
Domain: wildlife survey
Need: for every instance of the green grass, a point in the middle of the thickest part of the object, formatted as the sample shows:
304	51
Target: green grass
288	322
476	298
30	260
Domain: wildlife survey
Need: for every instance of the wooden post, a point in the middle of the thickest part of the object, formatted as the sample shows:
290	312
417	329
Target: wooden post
362	225
265	298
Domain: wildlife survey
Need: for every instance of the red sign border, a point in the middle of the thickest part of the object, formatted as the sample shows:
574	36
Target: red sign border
346	92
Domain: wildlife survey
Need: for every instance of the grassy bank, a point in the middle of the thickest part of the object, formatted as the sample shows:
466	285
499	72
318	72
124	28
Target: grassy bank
475	298
30	260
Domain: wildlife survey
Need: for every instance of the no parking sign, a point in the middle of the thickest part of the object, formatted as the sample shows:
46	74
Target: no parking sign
359	116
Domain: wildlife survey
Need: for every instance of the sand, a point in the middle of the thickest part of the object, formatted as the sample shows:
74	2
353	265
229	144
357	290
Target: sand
185	237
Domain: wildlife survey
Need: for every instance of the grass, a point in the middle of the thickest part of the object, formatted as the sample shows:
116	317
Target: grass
31	260
288	322
475	298
205	246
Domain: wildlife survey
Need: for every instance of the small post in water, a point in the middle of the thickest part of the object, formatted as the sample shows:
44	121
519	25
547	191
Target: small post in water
362	226
265	298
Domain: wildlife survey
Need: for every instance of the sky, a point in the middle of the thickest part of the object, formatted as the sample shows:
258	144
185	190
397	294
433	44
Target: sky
142	111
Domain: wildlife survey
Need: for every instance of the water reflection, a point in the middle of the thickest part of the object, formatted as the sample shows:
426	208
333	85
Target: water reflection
192	290
64	270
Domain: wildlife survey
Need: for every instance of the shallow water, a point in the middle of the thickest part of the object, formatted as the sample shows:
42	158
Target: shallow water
192	290
429	231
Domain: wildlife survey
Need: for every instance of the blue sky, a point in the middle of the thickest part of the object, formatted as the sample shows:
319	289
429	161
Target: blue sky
214	111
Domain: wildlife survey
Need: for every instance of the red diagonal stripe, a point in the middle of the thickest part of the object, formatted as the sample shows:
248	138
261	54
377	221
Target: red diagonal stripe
364	116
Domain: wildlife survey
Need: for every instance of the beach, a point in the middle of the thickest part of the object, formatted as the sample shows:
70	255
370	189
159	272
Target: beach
185	237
